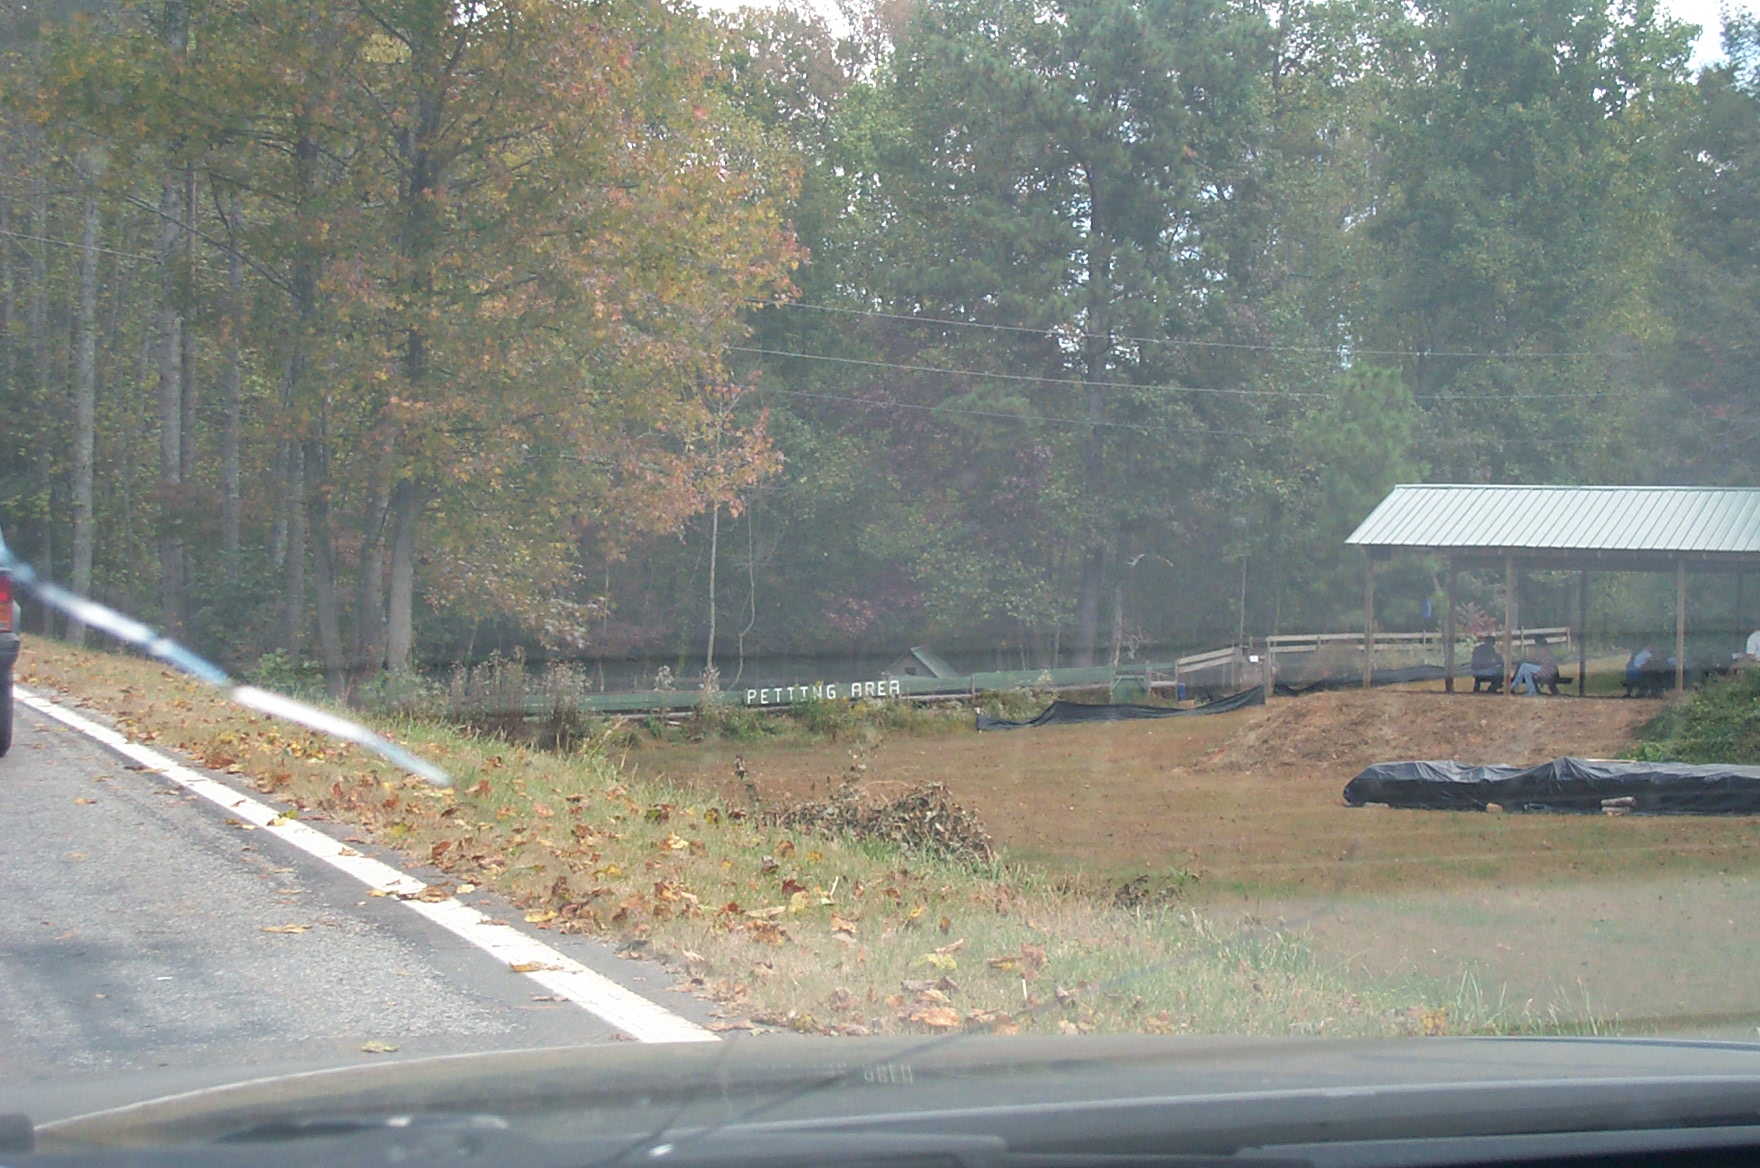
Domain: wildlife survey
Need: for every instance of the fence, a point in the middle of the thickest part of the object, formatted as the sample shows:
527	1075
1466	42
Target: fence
1292	657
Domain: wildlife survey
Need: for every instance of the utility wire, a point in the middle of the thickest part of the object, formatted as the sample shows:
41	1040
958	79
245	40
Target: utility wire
1070	381
879	403
131	255
1045	332
1078	383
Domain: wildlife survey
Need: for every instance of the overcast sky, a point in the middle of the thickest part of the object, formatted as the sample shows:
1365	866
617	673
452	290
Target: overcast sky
1699	12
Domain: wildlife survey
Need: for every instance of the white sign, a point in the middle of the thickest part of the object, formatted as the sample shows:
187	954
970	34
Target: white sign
827	691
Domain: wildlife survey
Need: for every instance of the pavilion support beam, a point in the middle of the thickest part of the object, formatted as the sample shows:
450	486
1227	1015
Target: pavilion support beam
1680	625
1368	617
1582	632
1510	611
1448	633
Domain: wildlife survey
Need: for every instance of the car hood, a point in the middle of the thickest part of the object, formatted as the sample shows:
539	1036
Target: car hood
1216	1094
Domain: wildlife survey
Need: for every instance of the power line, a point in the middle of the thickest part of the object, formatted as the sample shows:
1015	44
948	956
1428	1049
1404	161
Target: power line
1070	381
70	243
879	403
1045	332
1078	383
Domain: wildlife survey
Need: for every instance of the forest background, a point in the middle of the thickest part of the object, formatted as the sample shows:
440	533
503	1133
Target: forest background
383	334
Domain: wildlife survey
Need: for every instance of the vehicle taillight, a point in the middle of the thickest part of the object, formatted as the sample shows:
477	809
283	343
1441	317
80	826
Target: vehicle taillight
5	602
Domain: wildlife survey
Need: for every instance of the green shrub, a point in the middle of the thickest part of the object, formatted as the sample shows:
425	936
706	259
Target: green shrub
1720	723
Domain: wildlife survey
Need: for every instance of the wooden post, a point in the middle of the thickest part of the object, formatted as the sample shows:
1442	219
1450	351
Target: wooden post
1582	631
1448	634
1368	617
1509	622
1680	624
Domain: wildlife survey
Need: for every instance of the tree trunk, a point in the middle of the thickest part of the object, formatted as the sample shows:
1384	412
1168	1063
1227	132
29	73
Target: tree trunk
751	591
303	293
170	410
324	568
278	524
1117	609
422	182
8	301
235	312
186	446
714	555
369	585
85	404
294	587
1096	352
406	505
38	339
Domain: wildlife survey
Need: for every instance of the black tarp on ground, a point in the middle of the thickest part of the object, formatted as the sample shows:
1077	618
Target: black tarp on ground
1059	711
1567	786
1401	676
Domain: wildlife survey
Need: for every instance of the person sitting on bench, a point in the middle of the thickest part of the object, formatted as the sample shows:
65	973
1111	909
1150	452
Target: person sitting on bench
1486	665
1645	673
1541	670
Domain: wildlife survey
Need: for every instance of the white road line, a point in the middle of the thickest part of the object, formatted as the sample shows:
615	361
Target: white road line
622	1008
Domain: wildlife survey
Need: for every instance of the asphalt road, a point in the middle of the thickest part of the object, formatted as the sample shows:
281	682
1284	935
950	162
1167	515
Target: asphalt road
134	959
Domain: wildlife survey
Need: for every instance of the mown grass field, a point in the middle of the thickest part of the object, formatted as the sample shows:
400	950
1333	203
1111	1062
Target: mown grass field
1260	912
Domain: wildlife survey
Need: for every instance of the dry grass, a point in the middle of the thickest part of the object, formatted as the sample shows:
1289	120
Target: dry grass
823	934
1252	801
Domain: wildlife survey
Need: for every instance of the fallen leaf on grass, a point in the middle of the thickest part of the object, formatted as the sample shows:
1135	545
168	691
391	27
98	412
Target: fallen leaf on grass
376	1047
287	928
938	960
996	1021
767	932
842	925
939	1017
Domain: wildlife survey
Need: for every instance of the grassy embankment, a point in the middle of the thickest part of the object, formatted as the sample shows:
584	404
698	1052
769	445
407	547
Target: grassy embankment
822	933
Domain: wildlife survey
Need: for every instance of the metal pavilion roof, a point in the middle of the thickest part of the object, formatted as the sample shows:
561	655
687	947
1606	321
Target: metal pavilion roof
1465	517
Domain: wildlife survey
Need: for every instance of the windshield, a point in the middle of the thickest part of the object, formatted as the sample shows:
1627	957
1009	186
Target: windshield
612	525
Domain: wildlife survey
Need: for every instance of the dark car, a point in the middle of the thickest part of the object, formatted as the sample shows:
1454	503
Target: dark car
8	654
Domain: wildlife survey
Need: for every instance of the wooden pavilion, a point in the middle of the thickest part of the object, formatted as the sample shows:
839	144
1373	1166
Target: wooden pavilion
1608	529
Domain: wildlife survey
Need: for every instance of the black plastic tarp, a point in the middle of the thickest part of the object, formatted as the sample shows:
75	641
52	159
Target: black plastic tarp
1060	711
1405	674
1566	786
